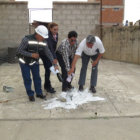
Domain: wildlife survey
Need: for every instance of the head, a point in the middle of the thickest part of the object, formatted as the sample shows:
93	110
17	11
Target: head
35	23
72	36
53	27
41	32
90	40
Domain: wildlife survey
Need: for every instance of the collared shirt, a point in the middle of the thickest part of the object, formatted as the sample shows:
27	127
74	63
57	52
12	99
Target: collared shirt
67	52
55	36
98	45
22	49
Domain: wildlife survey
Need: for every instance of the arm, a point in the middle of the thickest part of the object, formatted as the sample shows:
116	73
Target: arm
22	49
76	57
97	60
66	60
65	56
49	54
51	48
101	51
53	53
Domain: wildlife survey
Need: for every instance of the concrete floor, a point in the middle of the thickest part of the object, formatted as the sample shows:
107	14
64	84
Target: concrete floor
118	116
81	129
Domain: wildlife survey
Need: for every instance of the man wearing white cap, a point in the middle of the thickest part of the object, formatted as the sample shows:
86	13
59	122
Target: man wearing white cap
28	54
89	48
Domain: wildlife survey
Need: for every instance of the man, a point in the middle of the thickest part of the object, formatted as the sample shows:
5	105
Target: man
90	47
52	43
65	54
28	53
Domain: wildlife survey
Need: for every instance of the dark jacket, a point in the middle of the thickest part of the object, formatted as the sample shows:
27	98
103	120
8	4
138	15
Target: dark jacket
52	43
30	45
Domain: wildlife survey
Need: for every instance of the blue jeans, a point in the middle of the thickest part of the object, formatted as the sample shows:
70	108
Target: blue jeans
25	70
94	72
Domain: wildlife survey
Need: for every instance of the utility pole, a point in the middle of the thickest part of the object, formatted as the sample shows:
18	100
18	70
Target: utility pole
101	30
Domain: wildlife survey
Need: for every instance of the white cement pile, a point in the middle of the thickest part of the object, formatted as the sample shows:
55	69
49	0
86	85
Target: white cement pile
71	100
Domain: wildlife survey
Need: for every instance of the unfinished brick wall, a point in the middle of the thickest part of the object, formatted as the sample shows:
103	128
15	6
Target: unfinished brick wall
13	24
81	16
122	44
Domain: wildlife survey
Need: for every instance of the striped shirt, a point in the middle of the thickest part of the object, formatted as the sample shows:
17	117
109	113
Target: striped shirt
67	52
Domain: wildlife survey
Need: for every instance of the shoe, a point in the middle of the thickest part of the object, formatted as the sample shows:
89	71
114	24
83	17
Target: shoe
92	89
65	89
81	88
31	98
50	90
41	96
70	86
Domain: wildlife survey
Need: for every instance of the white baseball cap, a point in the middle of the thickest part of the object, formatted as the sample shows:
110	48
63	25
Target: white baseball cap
42	31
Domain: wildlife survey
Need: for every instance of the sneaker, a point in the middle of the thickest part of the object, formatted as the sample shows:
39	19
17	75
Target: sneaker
31	98
81	88
50	90
92	89
41	96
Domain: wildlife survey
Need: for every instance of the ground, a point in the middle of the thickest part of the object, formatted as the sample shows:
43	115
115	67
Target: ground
118	116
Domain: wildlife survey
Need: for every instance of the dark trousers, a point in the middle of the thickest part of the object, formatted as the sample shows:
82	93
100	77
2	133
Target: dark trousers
47	64
94	72
65	84
34	69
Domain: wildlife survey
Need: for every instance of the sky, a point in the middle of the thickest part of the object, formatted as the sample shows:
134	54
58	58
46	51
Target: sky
132	10
131	13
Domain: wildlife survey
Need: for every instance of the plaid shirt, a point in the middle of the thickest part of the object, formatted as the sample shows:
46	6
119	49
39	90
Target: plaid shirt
67	52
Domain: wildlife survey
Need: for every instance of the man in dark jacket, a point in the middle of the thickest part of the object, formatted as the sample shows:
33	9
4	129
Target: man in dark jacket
28	53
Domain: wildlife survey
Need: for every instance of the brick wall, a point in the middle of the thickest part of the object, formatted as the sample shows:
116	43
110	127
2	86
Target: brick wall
112	2
109	15
122	44
112	12
81	16
13	24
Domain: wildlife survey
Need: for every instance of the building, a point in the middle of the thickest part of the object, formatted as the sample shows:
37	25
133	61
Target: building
112	12
137	23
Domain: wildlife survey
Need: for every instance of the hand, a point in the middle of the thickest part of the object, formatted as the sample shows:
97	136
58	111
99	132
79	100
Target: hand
56	67
94	63
71	71
55	61
35	55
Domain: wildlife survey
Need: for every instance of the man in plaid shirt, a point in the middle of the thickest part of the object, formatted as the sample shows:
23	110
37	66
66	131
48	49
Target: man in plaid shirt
65	54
